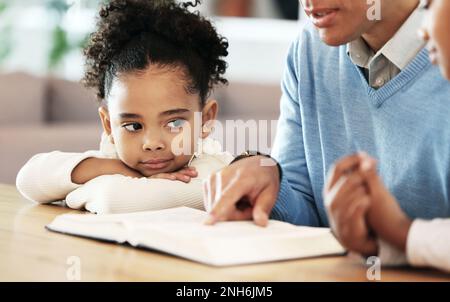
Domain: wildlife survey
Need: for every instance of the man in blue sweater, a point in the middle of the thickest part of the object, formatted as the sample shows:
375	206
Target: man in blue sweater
352	84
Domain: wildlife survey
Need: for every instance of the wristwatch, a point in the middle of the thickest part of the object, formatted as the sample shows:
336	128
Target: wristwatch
244	203
249	153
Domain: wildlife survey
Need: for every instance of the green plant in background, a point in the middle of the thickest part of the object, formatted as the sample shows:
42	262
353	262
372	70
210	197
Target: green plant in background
5	42
60	42
2	6
61	45
5	36
59	48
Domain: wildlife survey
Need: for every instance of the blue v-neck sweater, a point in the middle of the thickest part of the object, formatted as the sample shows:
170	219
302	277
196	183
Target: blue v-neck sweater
329	111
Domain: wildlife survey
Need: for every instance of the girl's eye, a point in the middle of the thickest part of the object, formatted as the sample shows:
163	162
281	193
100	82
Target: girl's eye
132	127
176	123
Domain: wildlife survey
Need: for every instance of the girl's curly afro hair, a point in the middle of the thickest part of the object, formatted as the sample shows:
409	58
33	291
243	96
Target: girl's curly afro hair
132	34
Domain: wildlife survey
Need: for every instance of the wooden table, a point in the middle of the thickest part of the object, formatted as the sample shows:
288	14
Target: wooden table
28	252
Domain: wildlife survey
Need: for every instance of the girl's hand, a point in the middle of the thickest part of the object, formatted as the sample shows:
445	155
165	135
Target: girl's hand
348	202
91	168
354	214
386	217
183	175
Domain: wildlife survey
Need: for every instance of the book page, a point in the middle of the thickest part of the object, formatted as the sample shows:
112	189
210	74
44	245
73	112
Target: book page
182	232
190	223
231	243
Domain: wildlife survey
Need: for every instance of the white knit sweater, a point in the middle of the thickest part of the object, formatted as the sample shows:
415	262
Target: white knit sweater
46	178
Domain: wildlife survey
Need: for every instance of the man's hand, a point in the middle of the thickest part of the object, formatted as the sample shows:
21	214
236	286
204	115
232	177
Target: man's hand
348	202
255	180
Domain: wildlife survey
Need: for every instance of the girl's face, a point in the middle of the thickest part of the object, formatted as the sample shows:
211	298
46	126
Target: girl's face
436	31
149	111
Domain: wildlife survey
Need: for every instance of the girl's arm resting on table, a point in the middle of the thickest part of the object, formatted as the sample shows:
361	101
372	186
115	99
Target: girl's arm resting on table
109	194
389	255
428	245
120	194
47	177
93	167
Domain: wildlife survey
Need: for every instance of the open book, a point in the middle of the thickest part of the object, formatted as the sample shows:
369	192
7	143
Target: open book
181	232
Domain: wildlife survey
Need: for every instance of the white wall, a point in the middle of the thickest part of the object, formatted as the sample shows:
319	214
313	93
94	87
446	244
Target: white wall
257	46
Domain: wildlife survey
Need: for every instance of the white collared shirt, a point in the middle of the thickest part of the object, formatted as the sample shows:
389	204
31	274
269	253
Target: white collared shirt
381	67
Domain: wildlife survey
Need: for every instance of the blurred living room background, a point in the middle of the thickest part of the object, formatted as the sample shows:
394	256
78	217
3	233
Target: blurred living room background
43	107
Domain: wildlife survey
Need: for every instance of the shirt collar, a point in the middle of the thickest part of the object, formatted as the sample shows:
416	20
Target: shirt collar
401	49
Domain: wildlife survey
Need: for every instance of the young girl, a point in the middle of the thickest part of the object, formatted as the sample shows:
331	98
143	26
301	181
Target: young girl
152	64
402	240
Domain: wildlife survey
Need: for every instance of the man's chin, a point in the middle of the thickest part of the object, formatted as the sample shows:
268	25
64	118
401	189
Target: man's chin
330	38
